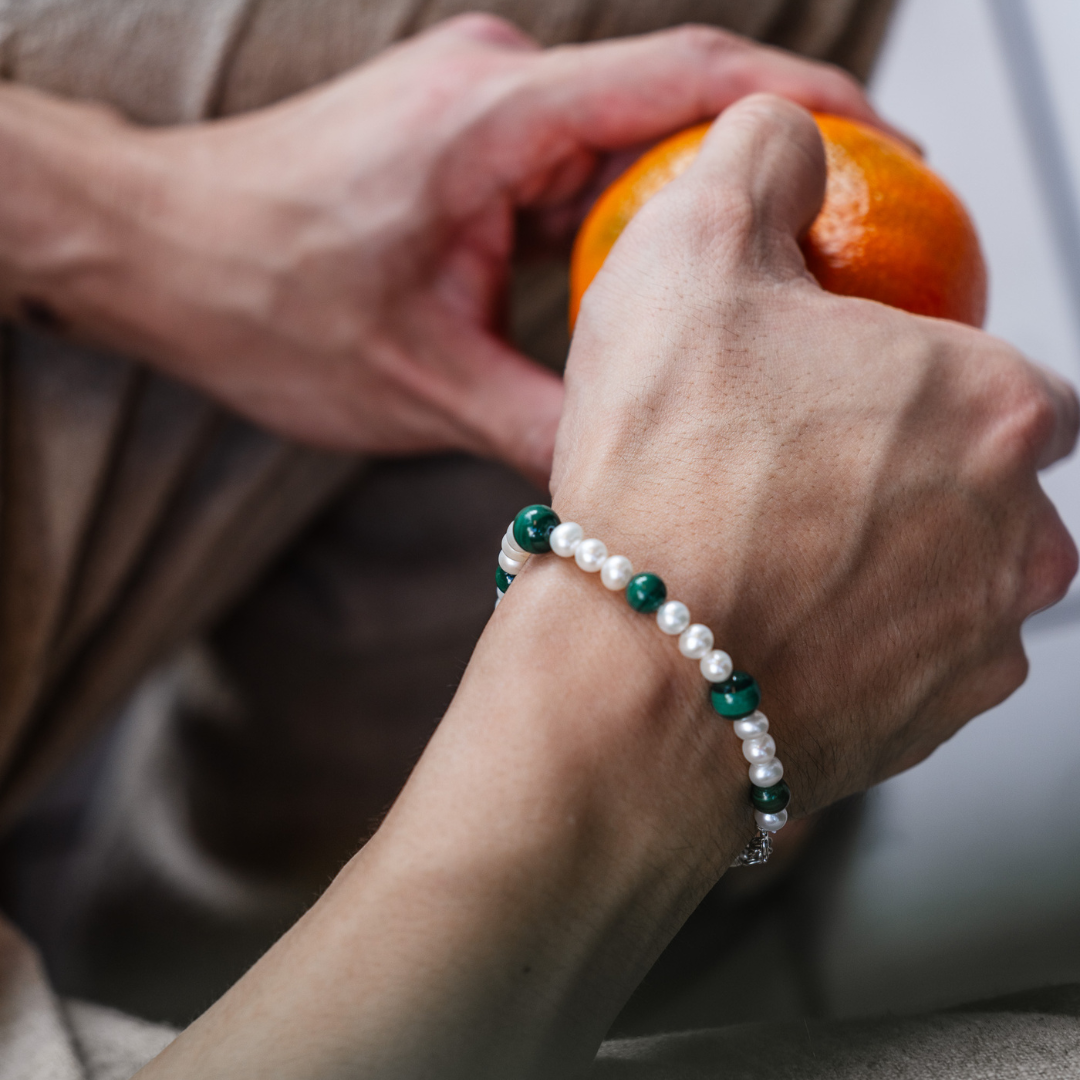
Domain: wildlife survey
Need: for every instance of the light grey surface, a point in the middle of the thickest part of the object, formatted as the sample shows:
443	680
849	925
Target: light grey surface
966	880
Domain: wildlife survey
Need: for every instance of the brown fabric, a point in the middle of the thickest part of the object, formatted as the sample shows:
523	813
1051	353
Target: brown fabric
128	504
63	409
135	512
242	500
322	656
166	426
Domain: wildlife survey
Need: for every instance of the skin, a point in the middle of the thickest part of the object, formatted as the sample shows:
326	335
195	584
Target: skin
847	494
334	267
875	469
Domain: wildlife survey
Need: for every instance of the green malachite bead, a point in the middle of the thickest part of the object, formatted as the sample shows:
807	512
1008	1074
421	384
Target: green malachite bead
736	697
770	800
532	528
645	593
502	578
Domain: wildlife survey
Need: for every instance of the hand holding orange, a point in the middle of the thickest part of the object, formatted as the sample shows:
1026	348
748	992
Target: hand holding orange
889	229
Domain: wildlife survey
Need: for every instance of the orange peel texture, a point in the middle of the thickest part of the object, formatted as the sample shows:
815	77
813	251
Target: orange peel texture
890	229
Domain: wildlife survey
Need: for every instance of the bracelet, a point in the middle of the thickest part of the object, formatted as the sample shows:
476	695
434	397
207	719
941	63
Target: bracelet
734	694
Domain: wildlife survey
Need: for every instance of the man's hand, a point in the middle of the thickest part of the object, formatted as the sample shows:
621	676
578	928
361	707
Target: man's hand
847	493
844	492
334	266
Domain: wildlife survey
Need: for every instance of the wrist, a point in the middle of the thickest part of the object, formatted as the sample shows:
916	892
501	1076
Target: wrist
72	190
574	805
581	754
622	707
579	789
106	232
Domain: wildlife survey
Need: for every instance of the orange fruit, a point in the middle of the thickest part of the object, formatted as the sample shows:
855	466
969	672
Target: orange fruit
890	229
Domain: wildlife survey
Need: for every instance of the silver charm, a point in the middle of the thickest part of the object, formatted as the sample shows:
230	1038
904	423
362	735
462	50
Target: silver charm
757	852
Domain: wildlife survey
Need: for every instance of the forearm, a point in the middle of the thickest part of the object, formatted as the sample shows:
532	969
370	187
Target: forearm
72	198
156	243
575	804
130	238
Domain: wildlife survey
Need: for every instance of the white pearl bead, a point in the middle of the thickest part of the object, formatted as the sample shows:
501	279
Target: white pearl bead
498	597
616	572
565	538
512	553
511	546
695	641
749	727
762	748
673	617
770	822
716	666
590	555
511	566
766	773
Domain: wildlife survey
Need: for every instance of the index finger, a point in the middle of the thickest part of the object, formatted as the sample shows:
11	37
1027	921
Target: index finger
614	94
1066	423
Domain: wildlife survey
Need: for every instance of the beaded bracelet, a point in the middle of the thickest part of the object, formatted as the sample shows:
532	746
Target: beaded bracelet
734	694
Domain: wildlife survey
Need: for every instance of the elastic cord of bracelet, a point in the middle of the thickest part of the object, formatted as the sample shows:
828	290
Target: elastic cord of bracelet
735	695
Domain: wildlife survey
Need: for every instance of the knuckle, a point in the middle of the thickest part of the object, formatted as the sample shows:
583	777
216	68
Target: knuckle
842	84
1052	567
716	230
699	38
1010	672
998	678
485	27
720	225
988	683
1069	416
1026	414
782	139
770	111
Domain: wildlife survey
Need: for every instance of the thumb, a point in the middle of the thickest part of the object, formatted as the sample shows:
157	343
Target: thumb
757	184
509	405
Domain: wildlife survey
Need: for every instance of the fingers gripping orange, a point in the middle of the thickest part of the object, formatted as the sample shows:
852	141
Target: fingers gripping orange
889	229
